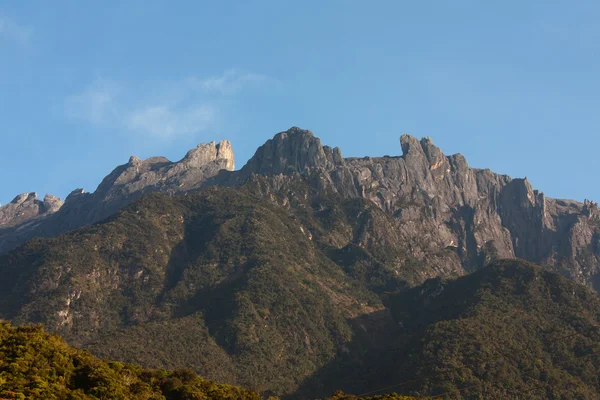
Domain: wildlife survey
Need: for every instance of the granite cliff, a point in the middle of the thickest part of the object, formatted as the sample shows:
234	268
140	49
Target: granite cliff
438	203
443	213
26	207
26	217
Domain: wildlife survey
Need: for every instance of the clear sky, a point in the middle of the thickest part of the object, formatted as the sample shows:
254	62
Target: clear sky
512	85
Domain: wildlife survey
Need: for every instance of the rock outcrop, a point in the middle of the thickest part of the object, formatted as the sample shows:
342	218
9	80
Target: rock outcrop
450	216
446	214
295	150
19	220
156	174
26	207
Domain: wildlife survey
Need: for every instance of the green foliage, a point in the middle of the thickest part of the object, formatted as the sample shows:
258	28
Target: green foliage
514	330
510	330
291	292
228	282
37	365
339	395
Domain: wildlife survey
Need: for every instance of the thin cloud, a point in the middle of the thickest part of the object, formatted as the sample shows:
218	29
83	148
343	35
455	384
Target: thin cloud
230	82
179	108
13	31
96	104
164	122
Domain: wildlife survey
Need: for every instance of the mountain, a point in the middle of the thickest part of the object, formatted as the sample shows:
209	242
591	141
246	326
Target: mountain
228	281
437	202
272	285
509	330
26	207
303	272
26	217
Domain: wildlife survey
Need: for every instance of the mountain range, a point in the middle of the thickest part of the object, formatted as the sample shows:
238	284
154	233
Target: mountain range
435	203
305	272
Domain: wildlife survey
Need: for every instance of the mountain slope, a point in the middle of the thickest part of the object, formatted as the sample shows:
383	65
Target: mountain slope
278	286
286	271
510	330
227	274
35	364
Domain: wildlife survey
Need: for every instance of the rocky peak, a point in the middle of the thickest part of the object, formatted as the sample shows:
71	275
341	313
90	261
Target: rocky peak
206	153
434	155
75	194
590	208
295	150
52	203
521	193
138	177
23	198
26	207
426	164
422	151
160	174
225	152
453	217
410	146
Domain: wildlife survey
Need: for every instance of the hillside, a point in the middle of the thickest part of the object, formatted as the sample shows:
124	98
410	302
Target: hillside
283	295
35	364
227	282
304	273
510	330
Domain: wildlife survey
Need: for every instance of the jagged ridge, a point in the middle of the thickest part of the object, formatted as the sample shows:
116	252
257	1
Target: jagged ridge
440	202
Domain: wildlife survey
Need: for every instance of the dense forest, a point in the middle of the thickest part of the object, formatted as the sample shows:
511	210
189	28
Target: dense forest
282	293
510	330
38	365
226	282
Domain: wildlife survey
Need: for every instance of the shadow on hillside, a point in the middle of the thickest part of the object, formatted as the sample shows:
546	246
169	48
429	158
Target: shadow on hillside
358	366
216	302
386	345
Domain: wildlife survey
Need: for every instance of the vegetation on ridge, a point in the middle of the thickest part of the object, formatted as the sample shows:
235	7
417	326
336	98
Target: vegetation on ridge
510	330
228	282
294	292
38	365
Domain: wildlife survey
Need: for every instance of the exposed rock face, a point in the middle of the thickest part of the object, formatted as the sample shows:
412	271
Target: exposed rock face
450	216
26	207
157	174
295	150
445	214
19	222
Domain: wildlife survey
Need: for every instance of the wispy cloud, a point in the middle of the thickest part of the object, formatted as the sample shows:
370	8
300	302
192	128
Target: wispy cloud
14	31
230	82
171	109
96	104
165	122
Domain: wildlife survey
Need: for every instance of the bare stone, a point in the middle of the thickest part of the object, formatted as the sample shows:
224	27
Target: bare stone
434	207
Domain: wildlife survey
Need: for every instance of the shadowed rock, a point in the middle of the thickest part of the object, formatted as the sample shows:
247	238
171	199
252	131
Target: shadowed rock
447	214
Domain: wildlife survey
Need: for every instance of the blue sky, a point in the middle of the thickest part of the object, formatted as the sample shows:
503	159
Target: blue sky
512	85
